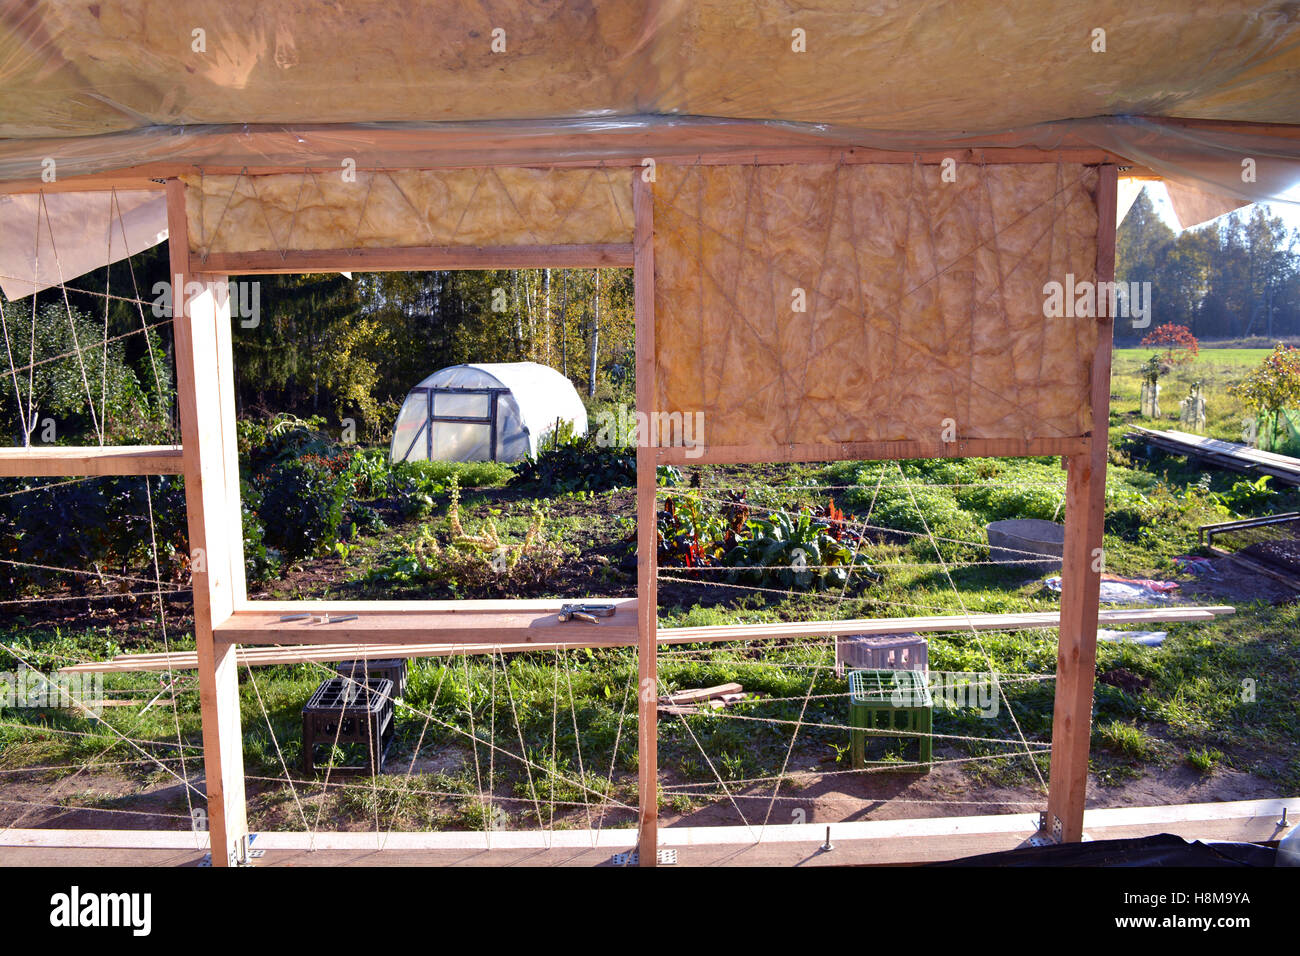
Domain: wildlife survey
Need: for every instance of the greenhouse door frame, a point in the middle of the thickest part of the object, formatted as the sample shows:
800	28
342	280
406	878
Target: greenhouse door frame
430	391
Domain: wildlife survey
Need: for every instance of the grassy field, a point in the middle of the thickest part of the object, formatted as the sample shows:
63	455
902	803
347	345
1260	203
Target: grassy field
1161	710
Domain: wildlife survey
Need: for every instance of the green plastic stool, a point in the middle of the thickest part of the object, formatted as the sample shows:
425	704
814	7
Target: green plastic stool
882	700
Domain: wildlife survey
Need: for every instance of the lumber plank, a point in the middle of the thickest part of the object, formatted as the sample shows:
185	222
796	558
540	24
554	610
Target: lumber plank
402	259
396	625
201	327
695	694
70	461
261	150
857	842
377	648
872	451
1081	565
1224	454
647	533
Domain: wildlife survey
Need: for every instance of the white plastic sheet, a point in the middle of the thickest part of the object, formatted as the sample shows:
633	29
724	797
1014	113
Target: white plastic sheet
50	240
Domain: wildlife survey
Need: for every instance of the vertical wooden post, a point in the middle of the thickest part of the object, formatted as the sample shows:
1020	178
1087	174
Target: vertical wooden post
204	382
647	590
1085	512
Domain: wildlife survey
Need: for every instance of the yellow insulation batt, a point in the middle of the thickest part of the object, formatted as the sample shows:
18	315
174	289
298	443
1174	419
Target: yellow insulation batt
457	207
923	301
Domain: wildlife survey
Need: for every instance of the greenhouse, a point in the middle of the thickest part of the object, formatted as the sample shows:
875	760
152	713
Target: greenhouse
493	412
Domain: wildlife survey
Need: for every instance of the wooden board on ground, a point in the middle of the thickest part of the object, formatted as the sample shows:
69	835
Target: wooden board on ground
857	843
1225	454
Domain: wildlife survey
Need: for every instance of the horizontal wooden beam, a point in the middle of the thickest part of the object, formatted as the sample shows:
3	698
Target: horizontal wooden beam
857	842
493	629
98	182
589	256
453	624
873	451
52	461
264	149
938	623
256	150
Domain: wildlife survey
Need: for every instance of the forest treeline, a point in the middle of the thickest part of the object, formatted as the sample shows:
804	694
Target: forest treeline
338	346
1235	278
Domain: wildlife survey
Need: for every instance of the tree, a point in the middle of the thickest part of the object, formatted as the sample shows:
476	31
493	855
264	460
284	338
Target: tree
1181	347
1272	387
60	368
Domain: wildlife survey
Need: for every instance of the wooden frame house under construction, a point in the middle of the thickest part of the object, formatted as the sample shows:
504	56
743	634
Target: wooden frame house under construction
811	292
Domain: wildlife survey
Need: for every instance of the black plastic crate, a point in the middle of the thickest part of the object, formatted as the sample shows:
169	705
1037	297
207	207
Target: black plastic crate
392	668
349	711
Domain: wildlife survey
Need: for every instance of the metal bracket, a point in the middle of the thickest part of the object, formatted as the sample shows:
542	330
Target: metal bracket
633	858
241	854
1045	836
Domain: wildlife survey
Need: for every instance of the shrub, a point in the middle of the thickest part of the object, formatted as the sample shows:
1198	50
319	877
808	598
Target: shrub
101	523
1181	347
579	464
307	499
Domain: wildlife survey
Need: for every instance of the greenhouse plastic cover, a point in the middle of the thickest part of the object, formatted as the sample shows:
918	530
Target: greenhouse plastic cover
48	240
539	396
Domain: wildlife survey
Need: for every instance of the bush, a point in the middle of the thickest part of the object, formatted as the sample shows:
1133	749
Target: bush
102	523
579	464
307	499
130	405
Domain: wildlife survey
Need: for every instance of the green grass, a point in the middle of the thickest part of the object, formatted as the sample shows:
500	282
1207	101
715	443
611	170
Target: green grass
1236	358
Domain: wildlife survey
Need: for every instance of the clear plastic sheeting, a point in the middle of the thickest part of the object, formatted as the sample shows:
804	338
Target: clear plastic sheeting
112	85
489	412
71	68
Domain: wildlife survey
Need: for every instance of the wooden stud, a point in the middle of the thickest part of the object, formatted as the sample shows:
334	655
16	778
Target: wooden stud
873	451
232	514
647	535
399	259
511	625
281	149
1085	513
201	324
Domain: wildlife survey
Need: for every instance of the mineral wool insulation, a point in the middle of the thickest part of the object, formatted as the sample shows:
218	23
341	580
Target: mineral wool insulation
794	304
501	206
923	301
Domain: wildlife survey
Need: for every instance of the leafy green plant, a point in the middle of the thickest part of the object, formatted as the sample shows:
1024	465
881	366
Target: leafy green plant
1204	759
579	464
1246	496
792	551
803	550
306	498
